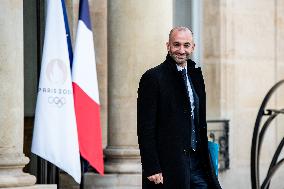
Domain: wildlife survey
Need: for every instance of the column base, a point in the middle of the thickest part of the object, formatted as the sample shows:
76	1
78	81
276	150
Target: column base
38	186
113	181
108	181
11	171
122	160
22	179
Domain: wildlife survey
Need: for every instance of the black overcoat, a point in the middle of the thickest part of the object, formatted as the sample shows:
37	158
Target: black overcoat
163	126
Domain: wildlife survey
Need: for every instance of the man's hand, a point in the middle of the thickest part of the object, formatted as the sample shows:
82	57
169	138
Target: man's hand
157	178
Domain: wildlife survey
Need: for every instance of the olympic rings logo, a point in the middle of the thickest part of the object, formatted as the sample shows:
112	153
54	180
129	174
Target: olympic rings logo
57	101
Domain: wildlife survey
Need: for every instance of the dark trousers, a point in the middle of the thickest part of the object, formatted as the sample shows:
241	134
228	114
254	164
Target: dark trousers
197	173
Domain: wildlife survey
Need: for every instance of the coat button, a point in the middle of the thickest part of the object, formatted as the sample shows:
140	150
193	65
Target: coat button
186	152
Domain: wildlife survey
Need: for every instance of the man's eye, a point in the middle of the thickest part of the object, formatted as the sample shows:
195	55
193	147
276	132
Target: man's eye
187	45
176	44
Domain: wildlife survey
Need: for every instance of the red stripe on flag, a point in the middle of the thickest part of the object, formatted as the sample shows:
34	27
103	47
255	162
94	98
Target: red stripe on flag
89	130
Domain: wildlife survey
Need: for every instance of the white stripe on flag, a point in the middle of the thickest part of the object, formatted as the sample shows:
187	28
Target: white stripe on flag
84	71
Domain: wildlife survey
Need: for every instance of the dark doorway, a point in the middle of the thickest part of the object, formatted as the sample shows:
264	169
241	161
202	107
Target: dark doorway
33	19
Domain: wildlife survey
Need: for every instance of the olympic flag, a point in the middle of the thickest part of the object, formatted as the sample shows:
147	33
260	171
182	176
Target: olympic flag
86	92
55	135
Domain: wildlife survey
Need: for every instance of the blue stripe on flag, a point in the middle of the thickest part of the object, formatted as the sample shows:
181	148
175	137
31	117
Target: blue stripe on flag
68	36
84	13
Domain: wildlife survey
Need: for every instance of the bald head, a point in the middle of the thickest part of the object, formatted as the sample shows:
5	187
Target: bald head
180	45
178	29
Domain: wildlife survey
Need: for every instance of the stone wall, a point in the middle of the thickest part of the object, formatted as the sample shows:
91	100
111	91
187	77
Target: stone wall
243	58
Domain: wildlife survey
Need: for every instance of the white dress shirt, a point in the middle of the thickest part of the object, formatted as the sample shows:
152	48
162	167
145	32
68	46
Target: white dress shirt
189	89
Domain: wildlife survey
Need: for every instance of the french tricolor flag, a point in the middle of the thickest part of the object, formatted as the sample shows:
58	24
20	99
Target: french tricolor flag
86	92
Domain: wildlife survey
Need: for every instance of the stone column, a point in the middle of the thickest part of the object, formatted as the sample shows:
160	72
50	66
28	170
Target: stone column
137	36
12	159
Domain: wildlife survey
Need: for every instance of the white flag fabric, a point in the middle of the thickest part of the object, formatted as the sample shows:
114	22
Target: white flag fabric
55	135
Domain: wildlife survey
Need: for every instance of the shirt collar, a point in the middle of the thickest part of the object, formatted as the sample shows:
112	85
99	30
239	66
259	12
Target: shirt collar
179	68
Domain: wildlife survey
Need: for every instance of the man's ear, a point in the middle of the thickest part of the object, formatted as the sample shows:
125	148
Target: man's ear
168	46
193	46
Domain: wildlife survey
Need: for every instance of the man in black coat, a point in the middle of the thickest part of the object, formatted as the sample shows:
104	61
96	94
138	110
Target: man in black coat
171	121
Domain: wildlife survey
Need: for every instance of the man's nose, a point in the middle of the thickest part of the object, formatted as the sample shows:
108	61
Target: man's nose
181	50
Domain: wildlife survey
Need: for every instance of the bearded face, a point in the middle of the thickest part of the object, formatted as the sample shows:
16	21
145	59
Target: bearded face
180	46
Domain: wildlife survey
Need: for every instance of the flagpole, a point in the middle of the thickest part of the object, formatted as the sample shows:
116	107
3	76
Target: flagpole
52	174
82	184
41	170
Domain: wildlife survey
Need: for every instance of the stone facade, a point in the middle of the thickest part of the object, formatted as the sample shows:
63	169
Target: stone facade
242	60
242	55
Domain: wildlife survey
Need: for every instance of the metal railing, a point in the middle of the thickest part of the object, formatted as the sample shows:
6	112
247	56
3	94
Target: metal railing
218	131
257	139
